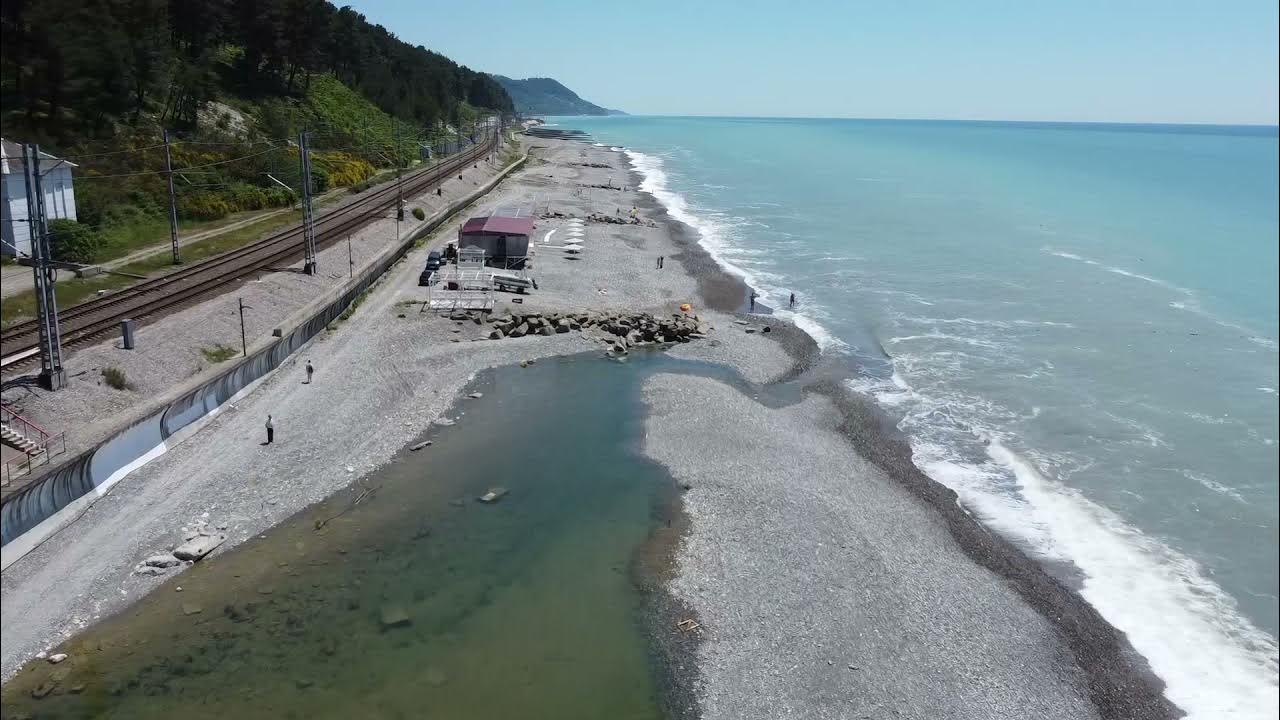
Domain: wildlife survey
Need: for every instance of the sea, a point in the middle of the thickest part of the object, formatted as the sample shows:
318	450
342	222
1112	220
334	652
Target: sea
1075	326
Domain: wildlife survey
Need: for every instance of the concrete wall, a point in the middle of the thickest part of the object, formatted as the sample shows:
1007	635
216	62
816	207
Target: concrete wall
51	502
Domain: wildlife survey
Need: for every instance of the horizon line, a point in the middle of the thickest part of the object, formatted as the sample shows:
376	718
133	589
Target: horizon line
1272	125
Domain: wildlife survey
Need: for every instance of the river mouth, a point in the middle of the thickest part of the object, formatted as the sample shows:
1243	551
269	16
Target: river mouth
405	596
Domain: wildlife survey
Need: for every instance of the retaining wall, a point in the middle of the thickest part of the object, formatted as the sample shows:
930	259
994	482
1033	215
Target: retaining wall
53	501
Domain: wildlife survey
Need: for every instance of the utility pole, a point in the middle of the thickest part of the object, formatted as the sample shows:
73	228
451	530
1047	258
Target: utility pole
308	218
52	375
173	203
351	260
244	346
395	132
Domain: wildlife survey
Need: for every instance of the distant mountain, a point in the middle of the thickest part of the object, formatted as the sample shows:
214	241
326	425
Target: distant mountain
544	96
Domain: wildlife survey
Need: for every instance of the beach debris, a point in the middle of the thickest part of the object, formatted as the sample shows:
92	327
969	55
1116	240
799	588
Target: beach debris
162	561
56	658
766	329
444	421
493	496
393	616
688	625
419	446
199	546
741	322
475	395
191	609
749	331
303	683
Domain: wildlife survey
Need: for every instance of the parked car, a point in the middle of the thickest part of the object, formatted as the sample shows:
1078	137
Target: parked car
433	267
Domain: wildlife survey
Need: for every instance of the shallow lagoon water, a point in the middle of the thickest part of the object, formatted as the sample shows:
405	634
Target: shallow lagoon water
418	601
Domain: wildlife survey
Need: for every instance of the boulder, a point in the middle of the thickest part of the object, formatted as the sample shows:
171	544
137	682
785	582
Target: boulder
393	616
162	561
562	326
520	330
57	658
546	330
493	495
198	547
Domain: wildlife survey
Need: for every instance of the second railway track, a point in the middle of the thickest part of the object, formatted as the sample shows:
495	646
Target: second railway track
78	323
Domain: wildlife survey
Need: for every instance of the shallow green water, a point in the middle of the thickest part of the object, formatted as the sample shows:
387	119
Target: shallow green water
525	608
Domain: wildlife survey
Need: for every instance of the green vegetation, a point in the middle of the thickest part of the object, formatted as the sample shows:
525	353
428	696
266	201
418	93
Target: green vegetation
419	214
73	241
235	81
355	305
219	353
115	377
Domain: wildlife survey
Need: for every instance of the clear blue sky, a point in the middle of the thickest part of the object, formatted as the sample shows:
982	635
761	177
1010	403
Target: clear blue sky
1086	60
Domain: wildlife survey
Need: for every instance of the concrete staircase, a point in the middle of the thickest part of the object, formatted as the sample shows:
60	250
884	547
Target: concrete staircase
18	441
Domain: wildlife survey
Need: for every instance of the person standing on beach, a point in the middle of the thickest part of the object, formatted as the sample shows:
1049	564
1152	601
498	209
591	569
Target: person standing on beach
753	301
271	431
310	371
793	300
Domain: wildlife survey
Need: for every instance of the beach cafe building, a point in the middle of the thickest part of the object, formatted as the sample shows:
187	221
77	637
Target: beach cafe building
503	237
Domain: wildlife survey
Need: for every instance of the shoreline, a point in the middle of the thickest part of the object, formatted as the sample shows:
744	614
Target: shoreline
785	359
1121	682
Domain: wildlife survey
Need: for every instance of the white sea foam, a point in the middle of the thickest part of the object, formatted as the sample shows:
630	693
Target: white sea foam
1214	662
715	236
1214	485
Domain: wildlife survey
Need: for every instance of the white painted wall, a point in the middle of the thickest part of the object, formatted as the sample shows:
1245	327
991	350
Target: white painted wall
59	200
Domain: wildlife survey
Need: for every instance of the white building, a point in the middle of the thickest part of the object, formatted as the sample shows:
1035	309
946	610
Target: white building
59	196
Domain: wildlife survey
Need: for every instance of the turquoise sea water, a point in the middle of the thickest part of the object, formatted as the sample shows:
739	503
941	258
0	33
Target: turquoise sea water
1076	324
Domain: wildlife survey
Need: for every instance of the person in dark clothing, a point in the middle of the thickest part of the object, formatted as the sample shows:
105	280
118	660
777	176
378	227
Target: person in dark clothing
271	431
753	301
793	300
310	371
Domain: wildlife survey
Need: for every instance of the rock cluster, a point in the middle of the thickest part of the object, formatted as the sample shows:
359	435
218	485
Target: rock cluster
591	164
617	220
619	330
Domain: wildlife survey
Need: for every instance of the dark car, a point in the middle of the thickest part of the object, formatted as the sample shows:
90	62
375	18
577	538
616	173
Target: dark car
433	266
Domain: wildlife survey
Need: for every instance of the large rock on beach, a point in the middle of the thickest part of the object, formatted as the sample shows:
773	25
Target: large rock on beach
198	547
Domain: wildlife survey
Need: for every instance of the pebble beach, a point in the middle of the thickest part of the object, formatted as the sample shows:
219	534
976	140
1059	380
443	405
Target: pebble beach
827	577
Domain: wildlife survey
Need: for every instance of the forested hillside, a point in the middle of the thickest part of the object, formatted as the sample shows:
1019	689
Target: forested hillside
545	96
234	81
75	68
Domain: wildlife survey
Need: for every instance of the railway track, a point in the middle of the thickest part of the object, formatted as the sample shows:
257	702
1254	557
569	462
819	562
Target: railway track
19	344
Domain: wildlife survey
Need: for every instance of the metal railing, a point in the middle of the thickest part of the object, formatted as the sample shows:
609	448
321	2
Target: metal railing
25	426
53	446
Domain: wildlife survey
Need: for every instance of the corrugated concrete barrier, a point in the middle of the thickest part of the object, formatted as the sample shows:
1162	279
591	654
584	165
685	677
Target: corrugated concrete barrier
57	498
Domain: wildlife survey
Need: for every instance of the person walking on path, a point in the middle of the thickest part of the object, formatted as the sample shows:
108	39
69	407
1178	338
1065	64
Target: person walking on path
271	431
310	371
